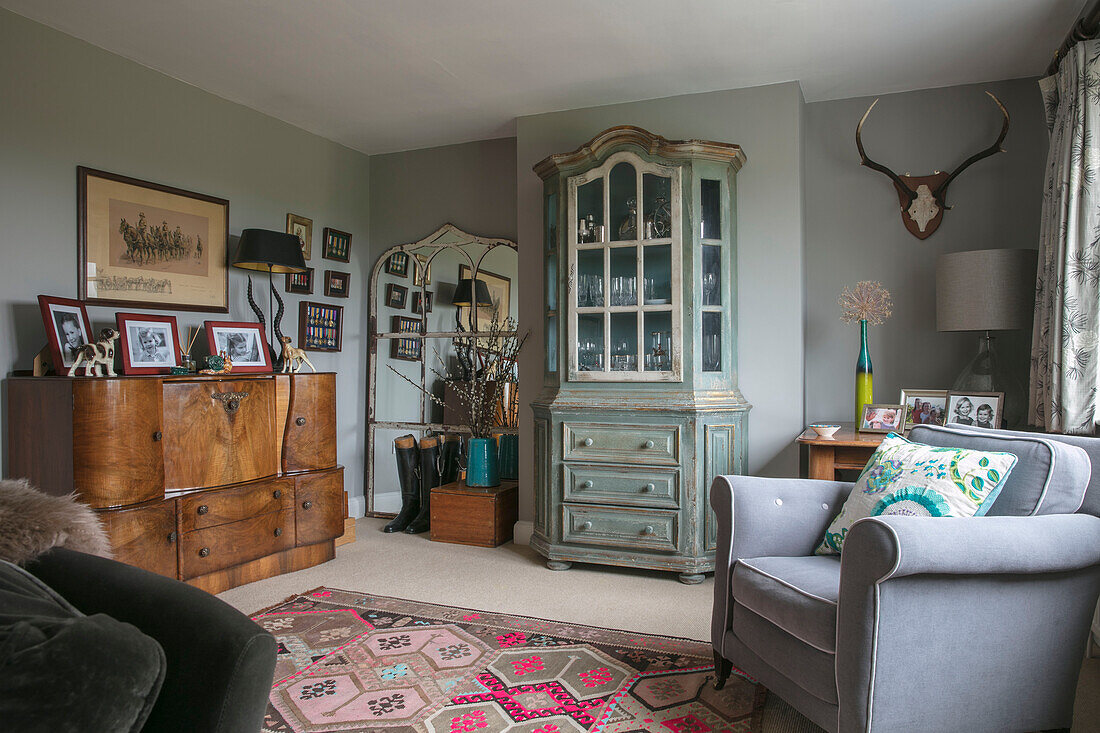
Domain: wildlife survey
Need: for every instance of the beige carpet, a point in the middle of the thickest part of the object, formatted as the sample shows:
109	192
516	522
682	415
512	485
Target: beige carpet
513	579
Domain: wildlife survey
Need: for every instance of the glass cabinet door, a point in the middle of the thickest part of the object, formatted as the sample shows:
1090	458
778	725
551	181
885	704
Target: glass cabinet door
624	290
713	259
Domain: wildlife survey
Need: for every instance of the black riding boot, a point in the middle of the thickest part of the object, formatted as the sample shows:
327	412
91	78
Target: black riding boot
429	478
408	476
449	453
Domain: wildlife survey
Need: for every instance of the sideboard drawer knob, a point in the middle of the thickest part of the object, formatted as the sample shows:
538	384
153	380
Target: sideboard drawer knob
586	525
203	509
204	552
300	422
277	493
588	441
648	487
278	531
171	537
647	530
157	436
649	444
586	485
307	504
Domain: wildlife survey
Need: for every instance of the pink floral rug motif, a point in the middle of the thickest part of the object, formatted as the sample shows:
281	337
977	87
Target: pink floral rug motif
355	662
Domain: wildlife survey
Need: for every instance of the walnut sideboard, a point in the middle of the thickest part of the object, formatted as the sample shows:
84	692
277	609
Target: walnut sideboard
213	480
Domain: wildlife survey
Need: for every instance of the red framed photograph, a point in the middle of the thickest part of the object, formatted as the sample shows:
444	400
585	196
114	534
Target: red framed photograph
67	329
243	343
149	344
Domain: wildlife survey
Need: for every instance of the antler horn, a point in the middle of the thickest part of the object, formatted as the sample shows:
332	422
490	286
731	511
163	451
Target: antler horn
940	193
864	160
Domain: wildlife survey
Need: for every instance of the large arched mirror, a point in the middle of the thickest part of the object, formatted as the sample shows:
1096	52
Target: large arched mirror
415	312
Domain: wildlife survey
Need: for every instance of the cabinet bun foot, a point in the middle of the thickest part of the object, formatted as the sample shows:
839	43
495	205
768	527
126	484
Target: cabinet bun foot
558	564
691	578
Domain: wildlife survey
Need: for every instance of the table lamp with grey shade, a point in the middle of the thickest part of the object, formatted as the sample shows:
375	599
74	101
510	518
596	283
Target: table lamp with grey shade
264	249
987	290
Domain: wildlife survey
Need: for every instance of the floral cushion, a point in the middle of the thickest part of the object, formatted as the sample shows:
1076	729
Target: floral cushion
921	480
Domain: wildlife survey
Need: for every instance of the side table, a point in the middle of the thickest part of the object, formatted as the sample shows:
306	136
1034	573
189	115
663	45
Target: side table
846	449
470	515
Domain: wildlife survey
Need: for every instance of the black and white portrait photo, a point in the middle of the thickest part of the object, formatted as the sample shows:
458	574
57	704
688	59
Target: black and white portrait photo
150	344
71	335
980	409
241	346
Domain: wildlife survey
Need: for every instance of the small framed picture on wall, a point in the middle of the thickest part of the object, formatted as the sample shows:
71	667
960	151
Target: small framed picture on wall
398	264
337	245
337	283
300	282
417	304
396	296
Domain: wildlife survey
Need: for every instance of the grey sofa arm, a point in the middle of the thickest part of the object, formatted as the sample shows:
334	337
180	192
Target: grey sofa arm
766	517
1011	595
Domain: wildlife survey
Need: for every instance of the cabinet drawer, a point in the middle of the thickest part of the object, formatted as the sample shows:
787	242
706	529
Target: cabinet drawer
212	508
633	486
144	536
319	510
642	444
655	529
216	548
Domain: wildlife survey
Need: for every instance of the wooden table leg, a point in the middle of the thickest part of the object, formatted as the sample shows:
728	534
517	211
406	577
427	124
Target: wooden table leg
822	459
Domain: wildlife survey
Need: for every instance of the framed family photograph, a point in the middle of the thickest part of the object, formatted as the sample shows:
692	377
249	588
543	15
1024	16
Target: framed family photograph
67	329
417	304
337	245
924	407
396	296
398	264
980	409
244	343
149	344
302	228
881	419
145	245
300	282
337	283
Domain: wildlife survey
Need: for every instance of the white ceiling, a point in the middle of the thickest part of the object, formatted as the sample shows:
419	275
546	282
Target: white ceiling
387	75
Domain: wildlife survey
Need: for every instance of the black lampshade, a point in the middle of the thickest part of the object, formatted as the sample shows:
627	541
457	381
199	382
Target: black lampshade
463	296
263	249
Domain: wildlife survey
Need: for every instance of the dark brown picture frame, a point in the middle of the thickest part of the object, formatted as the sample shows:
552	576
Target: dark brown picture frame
342	290
406	349
320	326
336	245
217	250
416	300
300	288
396	296
398	264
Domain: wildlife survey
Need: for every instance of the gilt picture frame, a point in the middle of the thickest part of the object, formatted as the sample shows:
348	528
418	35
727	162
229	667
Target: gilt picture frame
303	229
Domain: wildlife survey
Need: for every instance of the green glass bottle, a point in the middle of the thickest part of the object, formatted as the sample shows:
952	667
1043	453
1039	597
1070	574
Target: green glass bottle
864	374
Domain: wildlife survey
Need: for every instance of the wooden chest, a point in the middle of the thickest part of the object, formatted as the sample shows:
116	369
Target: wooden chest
467	515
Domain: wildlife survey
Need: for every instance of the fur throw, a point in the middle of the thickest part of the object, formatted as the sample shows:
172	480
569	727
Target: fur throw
32	522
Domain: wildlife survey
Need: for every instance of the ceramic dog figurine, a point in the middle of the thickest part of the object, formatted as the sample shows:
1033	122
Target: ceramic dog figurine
293	357
97	355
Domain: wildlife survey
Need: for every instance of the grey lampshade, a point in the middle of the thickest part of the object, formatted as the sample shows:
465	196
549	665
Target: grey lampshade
463	295
263	249
985	289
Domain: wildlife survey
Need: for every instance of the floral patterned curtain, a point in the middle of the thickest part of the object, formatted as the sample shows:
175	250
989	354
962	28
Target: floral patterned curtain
1064	343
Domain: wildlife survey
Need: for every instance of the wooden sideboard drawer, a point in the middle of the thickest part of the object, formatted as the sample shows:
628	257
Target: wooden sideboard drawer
632	486
144	535
611	526
222	506
641	444
221	432
319	510
216	548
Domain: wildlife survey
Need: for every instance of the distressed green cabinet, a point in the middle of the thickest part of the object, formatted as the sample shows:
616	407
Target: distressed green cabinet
640	408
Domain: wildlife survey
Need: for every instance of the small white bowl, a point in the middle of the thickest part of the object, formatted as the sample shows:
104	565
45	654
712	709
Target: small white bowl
825	430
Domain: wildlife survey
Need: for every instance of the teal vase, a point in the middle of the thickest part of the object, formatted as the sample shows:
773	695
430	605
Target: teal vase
509	457
865	377
482	465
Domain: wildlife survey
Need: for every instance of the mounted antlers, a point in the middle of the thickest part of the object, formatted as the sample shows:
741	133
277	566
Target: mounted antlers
923	198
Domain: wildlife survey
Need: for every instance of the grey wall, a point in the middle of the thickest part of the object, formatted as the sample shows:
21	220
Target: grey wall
765	121
854	230
66	103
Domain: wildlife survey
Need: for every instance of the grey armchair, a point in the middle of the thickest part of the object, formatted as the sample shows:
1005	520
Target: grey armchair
924	624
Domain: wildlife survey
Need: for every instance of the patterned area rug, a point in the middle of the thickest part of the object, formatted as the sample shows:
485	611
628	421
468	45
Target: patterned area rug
355	662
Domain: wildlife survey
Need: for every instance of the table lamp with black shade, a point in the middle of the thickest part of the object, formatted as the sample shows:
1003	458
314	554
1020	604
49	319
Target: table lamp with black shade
988	290
263	249
464	297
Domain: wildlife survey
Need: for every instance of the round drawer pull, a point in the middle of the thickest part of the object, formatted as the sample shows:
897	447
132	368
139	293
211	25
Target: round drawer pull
278	531
648	487
203	509
647	530
277	493
204	552
586	485
588	441
171	537
300	422
157	436
307	504
648	444
586	525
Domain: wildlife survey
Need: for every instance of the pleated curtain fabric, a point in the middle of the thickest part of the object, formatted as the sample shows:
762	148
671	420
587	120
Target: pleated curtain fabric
1064	345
